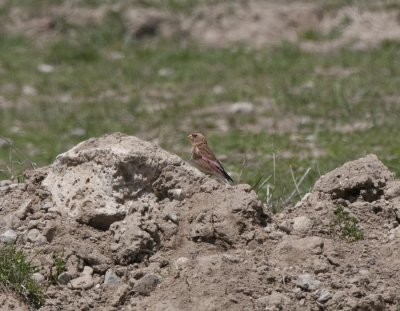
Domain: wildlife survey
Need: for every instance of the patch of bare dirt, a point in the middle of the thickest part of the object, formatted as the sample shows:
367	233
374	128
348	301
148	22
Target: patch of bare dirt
252	23
139	229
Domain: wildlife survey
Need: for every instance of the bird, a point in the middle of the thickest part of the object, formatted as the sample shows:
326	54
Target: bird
204	159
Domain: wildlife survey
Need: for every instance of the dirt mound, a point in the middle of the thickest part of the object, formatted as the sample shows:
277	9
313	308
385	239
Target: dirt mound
139	229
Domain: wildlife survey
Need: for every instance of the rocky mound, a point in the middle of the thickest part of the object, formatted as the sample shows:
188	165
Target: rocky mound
139	229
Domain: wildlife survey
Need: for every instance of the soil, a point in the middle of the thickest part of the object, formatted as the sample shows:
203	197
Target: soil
255	23
140	229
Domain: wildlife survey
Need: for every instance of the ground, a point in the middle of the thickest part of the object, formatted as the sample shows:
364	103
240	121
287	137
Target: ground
283	90
278	87
137	228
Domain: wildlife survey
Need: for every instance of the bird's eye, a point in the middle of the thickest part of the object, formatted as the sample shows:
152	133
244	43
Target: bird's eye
194	135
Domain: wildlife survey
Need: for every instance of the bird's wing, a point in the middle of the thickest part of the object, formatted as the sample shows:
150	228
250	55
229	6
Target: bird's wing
207	159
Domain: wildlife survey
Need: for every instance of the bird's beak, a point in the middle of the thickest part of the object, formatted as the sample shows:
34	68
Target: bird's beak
190	136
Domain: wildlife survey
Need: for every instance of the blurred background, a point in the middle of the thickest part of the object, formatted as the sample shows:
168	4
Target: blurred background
284	90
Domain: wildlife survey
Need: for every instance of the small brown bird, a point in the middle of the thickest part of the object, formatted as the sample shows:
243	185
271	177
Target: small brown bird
204	159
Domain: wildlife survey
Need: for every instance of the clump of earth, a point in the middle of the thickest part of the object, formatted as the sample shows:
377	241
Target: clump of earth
140	229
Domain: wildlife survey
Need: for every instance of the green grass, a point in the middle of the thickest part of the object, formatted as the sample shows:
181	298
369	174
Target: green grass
16	275
346	226
58	266
311	110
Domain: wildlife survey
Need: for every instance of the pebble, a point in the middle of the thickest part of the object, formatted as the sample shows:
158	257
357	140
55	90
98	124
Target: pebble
147	284
4	188
177	194
34	236
173	217
23	210
85	281
322	295
181	263
47	205
302	224
38	277
45	68
87	270
10	236
307	282
285	227
5	182
393	191
64	278
241	107
111	278
12	221
275	299
320	206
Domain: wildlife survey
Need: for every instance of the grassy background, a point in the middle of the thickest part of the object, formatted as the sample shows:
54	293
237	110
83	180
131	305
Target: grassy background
310	110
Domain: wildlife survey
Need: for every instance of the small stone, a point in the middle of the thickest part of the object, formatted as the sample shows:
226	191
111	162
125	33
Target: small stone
47	205
147	284
302	224
165	72
285	227
172	217
5	182
38	277
242	108
78	132
275	299
393	191
24	209
64	278
111	278
218	90
322	295
181	263
45	68
29	90
4	189
177	194
34	236
119	295
85	281
307	282
10	236
87	270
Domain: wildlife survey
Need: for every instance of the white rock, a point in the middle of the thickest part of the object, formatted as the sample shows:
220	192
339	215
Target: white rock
87	270
24	209
275	299
10	236
85	281
181	263
307	282
83	188
302	224
78	131
29	90
34	236
45	68
165	72
111	278
38	277
322	295
242	108
177	194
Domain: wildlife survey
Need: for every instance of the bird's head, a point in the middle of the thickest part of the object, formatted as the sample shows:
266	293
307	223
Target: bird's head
197	138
